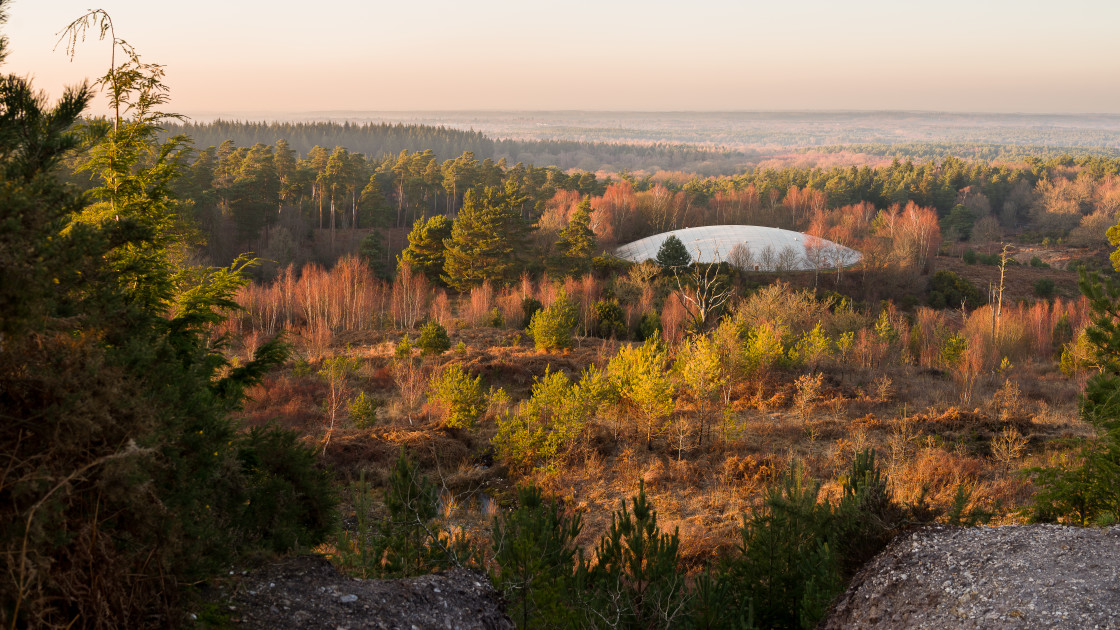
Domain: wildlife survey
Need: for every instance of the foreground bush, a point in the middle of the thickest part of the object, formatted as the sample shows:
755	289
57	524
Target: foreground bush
124	477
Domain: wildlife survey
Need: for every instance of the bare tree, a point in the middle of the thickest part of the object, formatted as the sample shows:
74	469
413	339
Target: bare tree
741	257
703	291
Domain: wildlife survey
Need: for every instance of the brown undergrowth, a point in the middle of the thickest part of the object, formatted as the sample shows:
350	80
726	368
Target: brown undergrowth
930	444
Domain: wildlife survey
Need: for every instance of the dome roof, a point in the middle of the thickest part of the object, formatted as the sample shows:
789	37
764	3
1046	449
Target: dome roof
749	247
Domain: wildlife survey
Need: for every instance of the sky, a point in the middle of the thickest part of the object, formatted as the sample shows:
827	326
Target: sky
253	57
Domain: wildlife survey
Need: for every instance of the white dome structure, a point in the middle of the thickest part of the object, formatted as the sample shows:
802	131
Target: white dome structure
748	247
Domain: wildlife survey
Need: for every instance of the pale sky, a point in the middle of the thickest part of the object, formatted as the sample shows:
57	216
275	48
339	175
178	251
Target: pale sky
651	55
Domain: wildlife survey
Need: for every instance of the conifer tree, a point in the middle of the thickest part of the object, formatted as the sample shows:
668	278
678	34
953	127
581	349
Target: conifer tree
673	254
487	239
426	247
577	242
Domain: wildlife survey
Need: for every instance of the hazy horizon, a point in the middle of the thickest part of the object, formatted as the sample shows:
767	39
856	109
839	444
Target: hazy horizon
1026	57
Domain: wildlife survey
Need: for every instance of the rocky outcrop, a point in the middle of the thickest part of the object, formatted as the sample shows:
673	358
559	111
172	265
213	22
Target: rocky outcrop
1017	576
308	592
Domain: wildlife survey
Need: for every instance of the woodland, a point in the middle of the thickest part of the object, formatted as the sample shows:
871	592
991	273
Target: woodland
224	342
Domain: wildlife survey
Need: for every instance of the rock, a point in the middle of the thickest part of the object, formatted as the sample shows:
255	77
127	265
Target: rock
1017	576
304	593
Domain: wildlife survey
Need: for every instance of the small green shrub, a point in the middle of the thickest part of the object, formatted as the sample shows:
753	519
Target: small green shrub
495	320
948	290
551	327
649	327
534	551
609	318
433	338
1044	288
363	411
529	307
1037	262
461	396
969	256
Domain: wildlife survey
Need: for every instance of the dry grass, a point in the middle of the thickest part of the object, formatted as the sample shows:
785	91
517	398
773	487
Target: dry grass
928	443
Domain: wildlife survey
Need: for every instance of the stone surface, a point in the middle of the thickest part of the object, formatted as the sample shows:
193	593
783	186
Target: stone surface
1016	576
308	592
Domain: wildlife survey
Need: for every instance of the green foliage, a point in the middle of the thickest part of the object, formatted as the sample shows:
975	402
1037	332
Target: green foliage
576	243
948	290
487	238
811	348
762	349
408	542
649	327
673	254
426	249
372	251
959	222
1086	489
641	385
609	319
363	410
552	326
969	256
496	320
534	552
1044	288
125	476
461	396
1038	264
635	581
547	425
289	501
795	555
953	349
529	307
433	338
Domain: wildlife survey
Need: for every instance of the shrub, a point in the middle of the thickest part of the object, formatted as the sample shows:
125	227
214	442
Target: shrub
762	349
609	319
363	411
551	327
948	290
1037	262
649	327
406	543
461	396
547	425
969	256
433	338
534	551
635	578
289	501
529	307
1044	288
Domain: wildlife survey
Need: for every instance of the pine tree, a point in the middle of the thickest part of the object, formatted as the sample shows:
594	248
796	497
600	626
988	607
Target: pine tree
577	242
673	254
487	239
427	247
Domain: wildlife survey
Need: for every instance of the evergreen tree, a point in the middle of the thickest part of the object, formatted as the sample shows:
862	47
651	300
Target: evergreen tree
487	239
577	242
125	477
427	247
534	551
673	254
